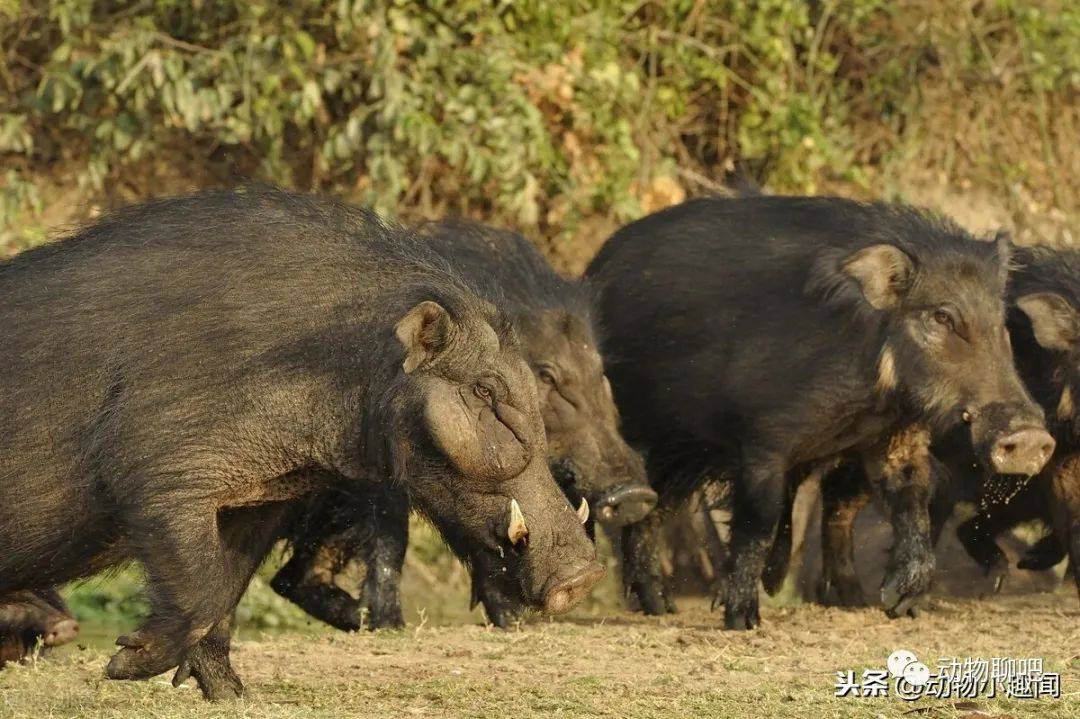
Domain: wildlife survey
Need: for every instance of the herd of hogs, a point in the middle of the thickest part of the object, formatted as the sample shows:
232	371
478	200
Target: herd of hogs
188	382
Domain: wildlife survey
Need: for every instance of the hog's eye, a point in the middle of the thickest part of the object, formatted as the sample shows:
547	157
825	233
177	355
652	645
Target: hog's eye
945	319
547	377
483	392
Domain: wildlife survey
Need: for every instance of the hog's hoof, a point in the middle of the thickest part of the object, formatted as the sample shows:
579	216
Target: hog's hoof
1046	553
842	592
384	618
742	615
344	613
501	611
652	598
328	604
139	659
215	676
502	616
898	602
502	603
905	584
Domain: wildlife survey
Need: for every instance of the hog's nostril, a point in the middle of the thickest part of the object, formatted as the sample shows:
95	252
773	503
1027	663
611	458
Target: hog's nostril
1025	451
562	596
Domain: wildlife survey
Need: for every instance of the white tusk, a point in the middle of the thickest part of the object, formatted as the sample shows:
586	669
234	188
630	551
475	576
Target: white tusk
517	531
583	511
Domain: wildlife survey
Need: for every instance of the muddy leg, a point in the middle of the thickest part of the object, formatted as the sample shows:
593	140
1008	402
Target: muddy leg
900	471
643	576
844	493
758	502
384	554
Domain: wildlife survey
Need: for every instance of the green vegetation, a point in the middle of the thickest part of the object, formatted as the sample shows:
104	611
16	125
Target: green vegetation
543	116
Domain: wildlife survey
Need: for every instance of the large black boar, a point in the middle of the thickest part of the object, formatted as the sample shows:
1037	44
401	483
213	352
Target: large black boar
764	337
1044	325
176	373
590	460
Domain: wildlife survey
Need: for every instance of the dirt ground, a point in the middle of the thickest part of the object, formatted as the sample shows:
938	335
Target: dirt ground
619	665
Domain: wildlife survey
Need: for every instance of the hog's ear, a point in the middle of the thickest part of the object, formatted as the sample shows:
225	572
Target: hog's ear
1055	322
883	272
425	331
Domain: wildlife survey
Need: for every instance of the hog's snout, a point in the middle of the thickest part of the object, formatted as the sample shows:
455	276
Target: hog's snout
61	632
1010	437
625	504
566	593
1025	451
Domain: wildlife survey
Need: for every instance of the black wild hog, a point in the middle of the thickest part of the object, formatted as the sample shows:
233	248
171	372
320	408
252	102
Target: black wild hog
177	375
29	618
1044	325
768	337
590	460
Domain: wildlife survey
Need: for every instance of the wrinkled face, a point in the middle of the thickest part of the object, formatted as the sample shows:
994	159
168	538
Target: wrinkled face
949	351
477	466
1055	325
587	454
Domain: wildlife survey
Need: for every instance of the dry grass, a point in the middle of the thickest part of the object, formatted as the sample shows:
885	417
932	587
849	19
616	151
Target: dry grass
622	665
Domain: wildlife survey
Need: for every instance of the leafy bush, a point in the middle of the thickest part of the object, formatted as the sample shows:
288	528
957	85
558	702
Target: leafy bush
535	114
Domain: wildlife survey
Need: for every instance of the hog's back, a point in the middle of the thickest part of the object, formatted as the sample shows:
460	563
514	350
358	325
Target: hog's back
141	324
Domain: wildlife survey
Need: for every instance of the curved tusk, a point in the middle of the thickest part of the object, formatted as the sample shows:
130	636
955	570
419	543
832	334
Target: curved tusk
583	511
517	531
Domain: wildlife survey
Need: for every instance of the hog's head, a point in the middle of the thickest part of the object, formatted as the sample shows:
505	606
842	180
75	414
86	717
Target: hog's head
1045	324
475	457
940	297
587	454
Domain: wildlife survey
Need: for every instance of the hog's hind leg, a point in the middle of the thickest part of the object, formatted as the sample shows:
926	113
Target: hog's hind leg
844	492
758	503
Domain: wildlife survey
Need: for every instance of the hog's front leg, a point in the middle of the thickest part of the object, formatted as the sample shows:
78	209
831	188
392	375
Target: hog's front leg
199	559
643	576
899	469
208	663
384	555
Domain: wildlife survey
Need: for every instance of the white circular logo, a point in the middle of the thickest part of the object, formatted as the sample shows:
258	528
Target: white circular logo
916	674
899	660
